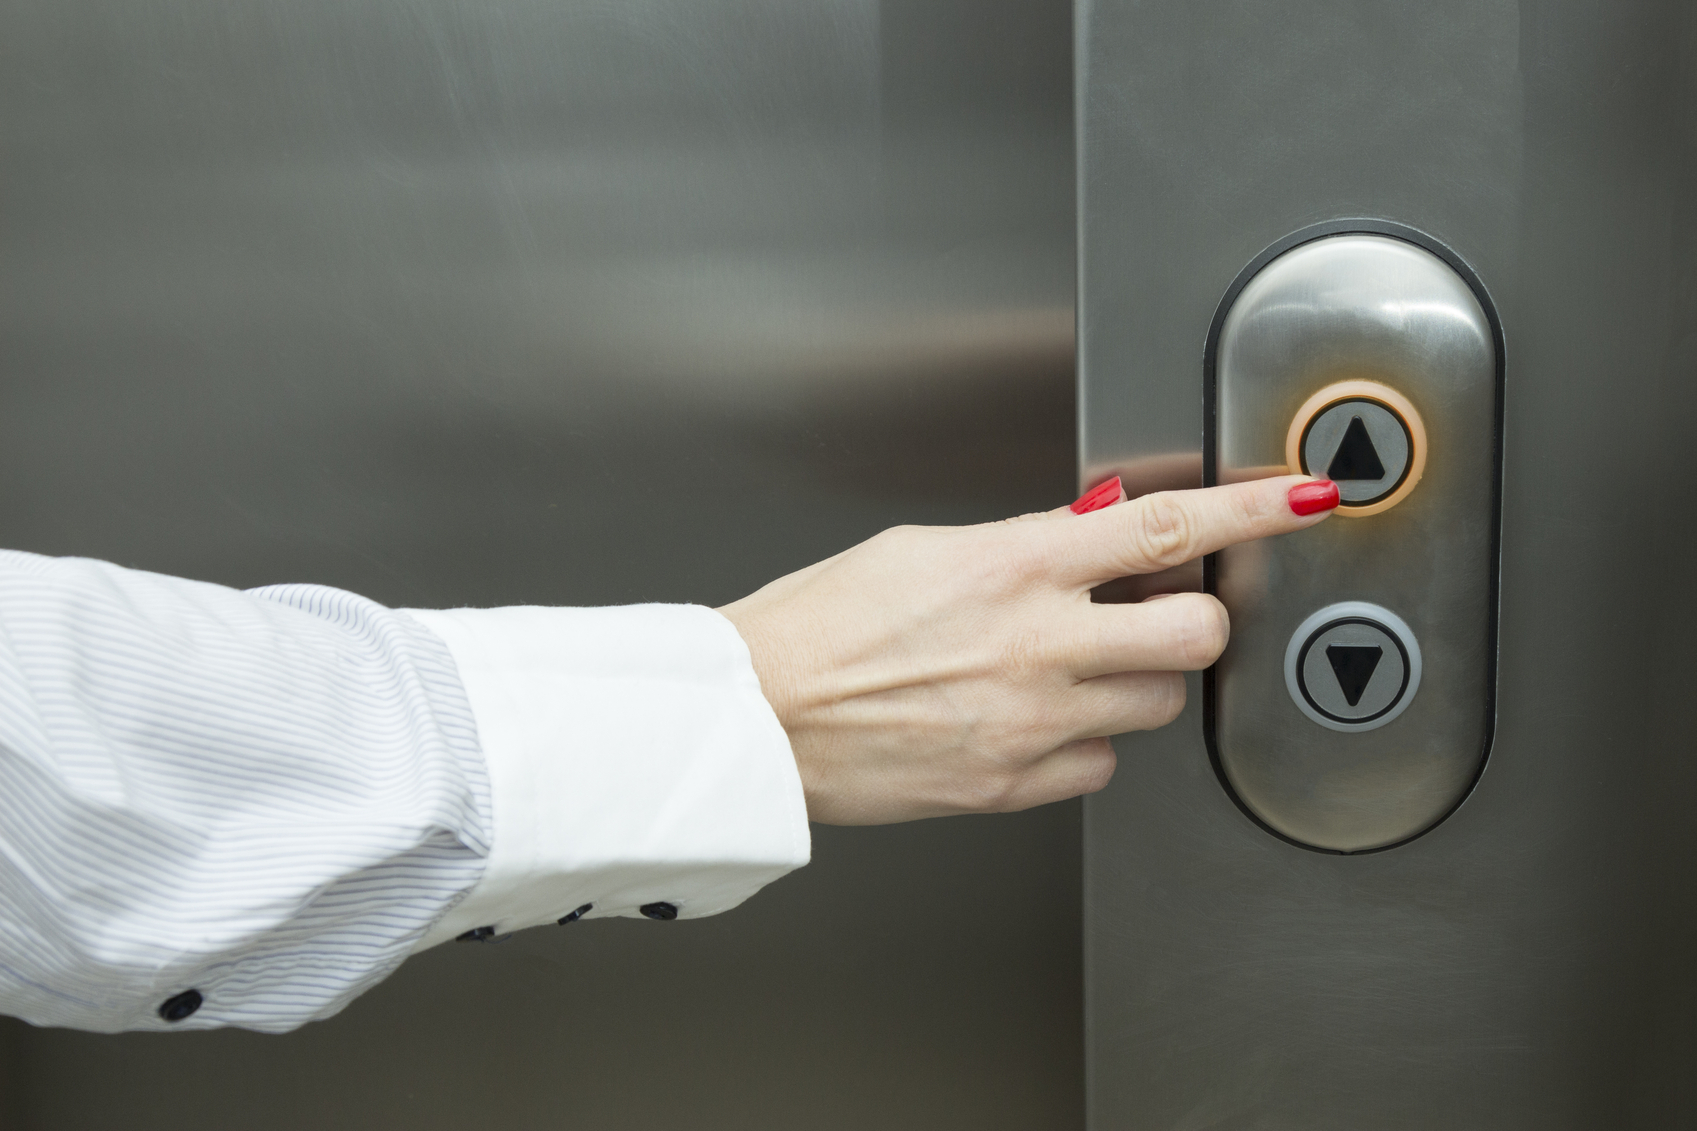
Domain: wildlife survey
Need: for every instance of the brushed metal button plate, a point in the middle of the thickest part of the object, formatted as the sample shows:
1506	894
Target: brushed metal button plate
1387	309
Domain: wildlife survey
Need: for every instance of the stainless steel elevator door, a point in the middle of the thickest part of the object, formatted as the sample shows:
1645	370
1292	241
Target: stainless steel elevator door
564	301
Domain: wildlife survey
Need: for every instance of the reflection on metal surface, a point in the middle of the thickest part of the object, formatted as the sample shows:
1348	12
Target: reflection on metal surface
1359	337
822	227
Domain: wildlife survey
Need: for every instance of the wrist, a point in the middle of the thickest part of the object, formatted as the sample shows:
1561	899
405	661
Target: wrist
778	668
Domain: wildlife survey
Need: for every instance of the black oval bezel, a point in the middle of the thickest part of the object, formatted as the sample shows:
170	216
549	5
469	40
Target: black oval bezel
1210	478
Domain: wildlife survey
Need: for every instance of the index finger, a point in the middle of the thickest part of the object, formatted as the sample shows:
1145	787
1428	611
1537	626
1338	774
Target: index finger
1169	528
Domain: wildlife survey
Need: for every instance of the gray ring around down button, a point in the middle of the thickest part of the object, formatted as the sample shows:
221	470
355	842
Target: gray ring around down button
1352	666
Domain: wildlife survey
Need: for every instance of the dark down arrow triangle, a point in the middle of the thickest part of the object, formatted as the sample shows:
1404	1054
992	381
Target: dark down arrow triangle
1354	665
1356	457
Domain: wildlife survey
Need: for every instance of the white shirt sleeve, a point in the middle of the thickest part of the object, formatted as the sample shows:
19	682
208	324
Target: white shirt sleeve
635	766
226	808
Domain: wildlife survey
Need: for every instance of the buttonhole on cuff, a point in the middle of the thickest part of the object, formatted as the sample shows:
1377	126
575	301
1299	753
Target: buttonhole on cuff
576	915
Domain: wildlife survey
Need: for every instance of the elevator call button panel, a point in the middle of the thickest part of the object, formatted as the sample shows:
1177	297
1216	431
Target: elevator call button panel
1352	710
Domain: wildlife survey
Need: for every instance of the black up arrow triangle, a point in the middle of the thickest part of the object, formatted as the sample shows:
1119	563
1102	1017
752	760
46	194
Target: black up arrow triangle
1356	457
1354	665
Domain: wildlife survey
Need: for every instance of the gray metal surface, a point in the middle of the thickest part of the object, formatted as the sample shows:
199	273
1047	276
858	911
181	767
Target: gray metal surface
1527	964
1360	307
564	301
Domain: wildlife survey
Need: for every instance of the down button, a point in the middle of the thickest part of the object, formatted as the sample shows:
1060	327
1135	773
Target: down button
1352	666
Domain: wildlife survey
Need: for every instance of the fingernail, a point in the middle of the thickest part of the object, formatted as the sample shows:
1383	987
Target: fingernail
1312	498
1099	496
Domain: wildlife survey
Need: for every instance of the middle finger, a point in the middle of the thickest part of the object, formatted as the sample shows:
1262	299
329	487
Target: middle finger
1180	632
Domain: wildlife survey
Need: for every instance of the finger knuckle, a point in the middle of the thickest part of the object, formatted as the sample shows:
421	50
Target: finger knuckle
1164	532
1247	510
991	790
1023	557
900	540
1002	762
1170	694
1098	769
918	557
1202	633
996	561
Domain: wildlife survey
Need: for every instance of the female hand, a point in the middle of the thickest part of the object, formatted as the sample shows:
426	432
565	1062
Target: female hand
936	670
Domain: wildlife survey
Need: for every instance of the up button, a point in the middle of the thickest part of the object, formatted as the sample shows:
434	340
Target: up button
1364	436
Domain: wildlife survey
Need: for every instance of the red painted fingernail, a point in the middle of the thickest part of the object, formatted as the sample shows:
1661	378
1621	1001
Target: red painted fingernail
1312	498
1099	496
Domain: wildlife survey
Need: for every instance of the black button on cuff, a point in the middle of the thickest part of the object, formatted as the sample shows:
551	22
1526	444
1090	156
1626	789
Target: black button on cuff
659	910
476	934
576	915
181	1006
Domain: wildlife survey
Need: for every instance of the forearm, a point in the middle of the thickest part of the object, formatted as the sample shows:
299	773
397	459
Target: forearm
225	808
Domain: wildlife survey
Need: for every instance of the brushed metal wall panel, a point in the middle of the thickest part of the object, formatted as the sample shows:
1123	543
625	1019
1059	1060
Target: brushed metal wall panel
578	302
1525	964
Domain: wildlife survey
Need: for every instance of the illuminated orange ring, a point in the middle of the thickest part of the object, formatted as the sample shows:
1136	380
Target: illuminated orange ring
1362	391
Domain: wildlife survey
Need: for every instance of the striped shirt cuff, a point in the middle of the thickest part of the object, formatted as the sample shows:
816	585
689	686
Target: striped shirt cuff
633	762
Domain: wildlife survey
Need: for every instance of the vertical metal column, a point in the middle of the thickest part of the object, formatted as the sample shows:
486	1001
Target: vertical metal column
1526	963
